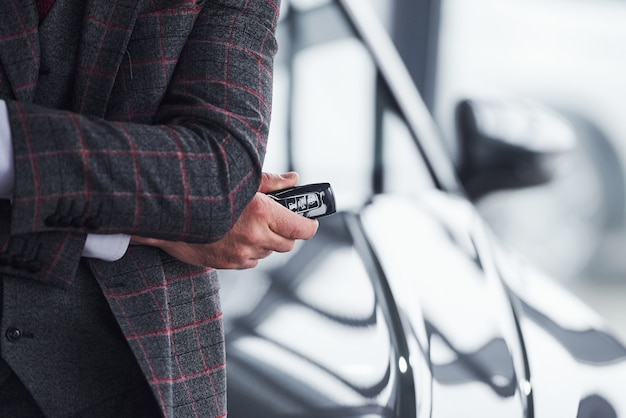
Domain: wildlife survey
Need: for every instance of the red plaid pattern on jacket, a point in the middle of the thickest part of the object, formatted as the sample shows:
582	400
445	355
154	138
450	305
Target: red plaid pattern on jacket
164	137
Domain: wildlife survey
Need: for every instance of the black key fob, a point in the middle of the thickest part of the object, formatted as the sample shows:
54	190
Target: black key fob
311	200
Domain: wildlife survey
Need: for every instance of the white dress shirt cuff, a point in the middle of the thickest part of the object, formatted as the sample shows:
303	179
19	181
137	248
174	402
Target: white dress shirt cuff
106	247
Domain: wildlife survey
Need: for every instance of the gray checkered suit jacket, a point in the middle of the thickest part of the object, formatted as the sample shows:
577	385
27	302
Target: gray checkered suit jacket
164	136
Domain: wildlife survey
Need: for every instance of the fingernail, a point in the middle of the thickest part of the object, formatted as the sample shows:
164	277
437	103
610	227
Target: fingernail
290	175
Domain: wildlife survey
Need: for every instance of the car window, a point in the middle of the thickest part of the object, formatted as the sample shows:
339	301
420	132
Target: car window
404	170
333	117
330	122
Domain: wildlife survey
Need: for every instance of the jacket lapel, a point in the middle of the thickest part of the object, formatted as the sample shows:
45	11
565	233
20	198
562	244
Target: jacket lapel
107	28
19	47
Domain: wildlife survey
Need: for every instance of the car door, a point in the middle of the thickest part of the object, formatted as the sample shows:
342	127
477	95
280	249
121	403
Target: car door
312	334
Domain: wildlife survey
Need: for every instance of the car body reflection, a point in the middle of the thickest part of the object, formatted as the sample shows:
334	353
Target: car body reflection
351	326
314	339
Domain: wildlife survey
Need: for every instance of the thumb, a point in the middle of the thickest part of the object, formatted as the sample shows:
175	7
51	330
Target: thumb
271	182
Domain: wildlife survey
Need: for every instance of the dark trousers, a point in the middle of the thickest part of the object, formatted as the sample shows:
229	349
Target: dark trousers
137	401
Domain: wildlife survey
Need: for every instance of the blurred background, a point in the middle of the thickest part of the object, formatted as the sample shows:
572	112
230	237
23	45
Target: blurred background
568	55
562	54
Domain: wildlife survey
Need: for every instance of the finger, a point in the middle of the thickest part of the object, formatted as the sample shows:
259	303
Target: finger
265	241
271	181
292	226
248	264
266	252
282	245
240	258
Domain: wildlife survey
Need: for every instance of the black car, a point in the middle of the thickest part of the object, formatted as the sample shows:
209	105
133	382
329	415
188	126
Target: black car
404	304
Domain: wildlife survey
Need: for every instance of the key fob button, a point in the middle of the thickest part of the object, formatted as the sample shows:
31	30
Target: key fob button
301	203
313	201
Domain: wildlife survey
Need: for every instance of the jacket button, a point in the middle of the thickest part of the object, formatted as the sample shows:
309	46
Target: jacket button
13	334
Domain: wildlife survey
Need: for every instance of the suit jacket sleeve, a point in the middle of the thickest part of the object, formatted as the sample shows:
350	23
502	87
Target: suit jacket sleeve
178	153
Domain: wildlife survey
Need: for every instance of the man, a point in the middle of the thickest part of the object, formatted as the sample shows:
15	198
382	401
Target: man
132	137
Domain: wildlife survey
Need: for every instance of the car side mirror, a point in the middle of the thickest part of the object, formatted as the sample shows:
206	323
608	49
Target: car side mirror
509	145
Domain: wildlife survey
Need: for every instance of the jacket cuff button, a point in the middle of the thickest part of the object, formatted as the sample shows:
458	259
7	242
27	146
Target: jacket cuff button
65	221
5	259
79	222
93	223
34	266
19	262
52	220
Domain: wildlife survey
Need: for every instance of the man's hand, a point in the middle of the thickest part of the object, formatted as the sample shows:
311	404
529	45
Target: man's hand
264	227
